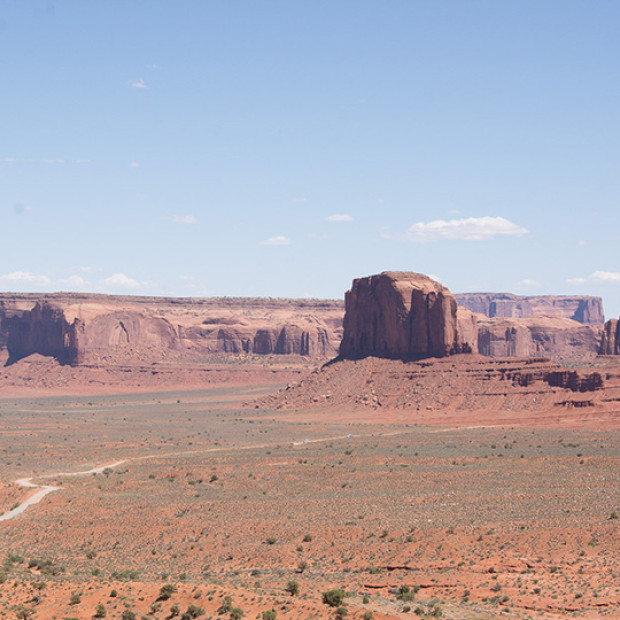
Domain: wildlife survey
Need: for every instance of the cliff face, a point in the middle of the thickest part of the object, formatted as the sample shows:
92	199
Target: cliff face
557	338
583	309
80	329
400	315
610	342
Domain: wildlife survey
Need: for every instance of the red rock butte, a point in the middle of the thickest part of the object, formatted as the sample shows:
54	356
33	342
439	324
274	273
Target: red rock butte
402	315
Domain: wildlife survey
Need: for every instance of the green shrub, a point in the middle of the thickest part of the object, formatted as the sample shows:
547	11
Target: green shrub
128	615
166	591
292	587
100	611
269	615
333	598
75	599
236	613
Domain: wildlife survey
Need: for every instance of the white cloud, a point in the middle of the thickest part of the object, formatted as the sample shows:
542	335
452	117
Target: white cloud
339	217
184	219
133	164
139	83
120	279
605	276
73	282
582	242
54	160
24	278
466	229
9	160
186	278
278	240
598	277
529	283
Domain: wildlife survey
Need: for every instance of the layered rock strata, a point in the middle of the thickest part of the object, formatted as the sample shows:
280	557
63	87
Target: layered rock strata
610	341
402	315
583	309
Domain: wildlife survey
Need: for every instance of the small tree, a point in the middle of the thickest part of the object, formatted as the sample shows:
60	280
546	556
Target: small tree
166	591
292	587
333	598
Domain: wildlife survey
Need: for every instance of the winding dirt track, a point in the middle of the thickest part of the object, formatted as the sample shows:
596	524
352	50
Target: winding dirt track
46	490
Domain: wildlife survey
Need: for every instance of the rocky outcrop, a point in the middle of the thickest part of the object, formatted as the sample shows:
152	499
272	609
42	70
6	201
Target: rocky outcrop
583	309
401	315
557	338
610	341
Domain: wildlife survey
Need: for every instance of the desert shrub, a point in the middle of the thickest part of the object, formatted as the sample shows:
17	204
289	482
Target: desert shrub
113	594
193	611
614	515
368	615
405	594
125	575
24	613
166	591
269	615
308	538
301	566
226	605
341	612
366	600
271	540
333	598
100	611
236	613
292	587
75	599
128	615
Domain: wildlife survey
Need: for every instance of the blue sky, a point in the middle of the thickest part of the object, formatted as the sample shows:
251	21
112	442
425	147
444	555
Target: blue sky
283	148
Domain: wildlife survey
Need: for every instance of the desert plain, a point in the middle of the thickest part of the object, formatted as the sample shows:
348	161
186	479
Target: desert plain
246	509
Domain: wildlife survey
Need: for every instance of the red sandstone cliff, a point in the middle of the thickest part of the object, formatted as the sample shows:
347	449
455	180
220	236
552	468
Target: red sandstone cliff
82	329
610	341
583	309
401	315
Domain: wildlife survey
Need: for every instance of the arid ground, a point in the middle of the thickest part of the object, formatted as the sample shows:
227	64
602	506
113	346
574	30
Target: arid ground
275	508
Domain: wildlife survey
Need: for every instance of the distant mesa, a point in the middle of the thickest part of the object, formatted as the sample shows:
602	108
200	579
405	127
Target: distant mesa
583	309
80	329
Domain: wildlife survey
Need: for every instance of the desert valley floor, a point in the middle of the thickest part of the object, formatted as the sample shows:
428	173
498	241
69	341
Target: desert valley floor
256	510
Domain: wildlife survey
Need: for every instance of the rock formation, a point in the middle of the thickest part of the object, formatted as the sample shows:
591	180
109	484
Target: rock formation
81	329
583	309
610	341
554	337
401	315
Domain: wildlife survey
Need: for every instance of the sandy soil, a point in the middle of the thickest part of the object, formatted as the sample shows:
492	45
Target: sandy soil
480	516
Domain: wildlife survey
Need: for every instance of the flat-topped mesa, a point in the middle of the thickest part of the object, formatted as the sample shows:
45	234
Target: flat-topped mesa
402	315
581	308
610	342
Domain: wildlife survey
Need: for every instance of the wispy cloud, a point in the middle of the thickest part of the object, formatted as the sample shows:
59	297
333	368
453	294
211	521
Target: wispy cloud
320	237
278	240
120	280
339	217
528	283
466	229
54	160
139	83
9	160
24	278
20	208
598	277
184	219
133	164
